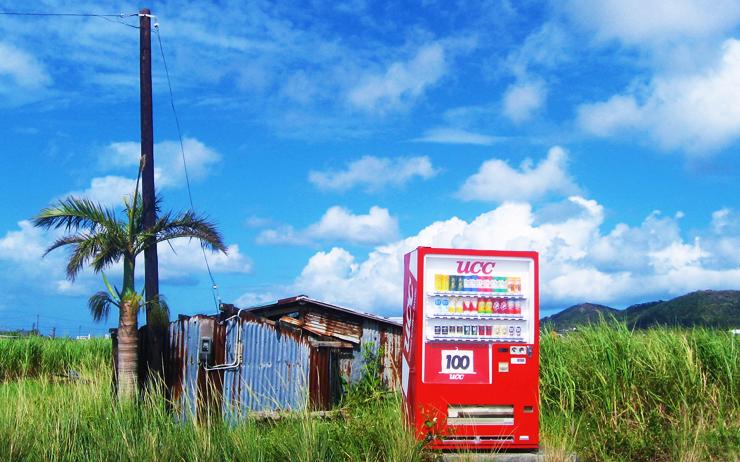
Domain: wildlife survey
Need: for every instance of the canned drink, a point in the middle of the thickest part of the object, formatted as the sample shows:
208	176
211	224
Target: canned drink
437	330
481	330
459	331
445	330
489	331
518	330
466	330
511	330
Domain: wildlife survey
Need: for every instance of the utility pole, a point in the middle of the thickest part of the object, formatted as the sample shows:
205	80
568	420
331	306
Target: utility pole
151	265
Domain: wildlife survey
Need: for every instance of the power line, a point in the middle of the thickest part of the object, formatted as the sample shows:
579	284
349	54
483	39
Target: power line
214	286
107	17
84	15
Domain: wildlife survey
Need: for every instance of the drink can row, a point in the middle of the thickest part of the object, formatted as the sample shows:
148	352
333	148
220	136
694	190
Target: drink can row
477	305
478	331
486	284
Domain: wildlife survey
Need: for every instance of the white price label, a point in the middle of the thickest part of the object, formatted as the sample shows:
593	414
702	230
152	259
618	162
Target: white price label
457	362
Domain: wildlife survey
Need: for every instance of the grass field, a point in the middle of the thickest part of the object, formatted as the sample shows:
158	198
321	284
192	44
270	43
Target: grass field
607	394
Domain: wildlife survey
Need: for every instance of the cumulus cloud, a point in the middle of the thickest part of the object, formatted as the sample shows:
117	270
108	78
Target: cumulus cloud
108	190
168	167
497	181
338	224
444	135
374	173
695	112
522	100
634	22
578	261
402	83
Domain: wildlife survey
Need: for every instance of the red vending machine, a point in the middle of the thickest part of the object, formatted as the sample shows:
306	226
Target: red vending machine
470	366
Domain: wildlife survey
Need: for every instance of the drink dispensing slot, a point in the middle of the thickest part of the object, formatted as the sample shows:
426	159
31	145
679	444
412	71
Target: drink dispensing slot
480	415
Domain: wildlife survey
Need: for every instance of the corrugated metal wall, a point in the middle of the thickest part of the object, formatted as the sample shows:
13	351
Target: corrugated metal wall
274	371
376	336
192	390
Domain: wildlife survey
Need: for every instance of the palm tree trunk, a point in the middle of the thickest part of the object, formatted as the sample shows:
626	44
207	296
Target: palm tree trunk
128	342
128	335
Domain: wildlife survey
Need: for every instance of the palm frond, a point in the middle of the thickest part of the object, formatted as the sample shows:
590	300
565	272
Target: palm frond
84	250
114	246
112	290
99	304
187	224
75	213
66	240
159	311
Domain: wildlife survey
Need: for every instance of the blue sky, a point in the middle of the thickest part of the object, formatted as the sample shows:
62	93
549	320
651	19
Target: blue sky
326	139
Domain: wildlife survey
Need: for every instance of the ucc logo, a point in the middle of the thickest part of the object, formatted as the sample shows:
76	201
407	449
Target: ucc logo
475	267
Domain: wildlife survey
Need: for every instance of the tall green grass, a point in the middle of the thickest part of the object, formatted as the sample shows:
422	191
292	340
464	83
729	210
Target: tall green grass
606	394
34	356
45	420
656	395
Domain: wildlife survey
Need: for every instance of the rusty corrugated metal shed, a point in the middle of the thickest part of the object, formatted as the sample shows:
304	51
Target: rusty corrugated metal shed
295	360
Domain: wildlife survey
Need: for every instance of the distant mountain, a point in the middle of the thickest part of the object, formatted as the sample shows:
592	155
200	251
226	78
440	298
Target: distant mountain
710	308
583	313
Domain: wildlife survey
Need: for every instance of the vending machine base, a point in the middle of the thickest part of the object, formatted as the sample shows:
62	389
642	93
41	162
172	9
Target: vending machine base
529	456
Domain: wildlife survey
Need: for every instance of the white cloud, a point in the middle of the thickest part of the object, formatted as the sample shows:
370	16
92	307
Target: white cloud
637	22
497	181
695	112
543	49
20	70
401	83
522	100
168	167
456	136
248	299
108	190
286	235
609	117
374	173
575	265
720	219
187	259
338	224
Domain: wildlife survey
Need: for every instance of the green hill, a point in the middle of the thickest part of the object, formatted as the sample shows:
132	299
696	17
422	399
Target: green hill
709	308
583	313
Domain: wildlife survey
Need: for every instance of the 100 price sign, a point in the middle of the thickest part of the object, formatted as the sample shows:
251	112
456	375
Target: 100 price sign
457	362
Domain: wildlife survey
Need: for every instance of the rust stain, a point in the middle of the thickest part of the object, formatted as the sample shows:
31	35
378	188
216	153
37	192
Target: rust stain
322	324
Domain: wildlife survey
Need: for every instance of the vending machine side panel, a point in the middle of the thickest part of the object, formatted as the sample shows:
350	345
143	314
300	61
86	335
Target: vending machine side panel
408	365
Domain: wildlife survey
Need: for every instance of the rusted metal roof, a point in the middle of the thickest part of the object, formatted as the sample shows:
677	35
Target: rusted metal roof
304	299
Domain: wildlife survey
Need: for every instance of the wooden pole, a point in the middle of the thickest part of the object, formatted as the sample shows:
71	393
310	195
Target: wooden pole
151	265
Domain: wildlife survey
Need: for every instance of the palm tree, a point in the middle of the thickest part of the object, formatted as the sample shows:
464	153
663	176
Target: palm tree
100	239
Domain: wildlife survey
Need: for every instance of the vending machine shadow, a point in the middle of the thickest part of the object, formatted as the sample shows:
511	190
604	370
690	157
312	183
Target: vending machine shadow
470	356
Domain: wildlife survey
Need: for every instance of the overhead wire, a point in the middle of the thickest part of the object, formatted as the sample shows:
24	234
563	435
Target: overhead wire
214	286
